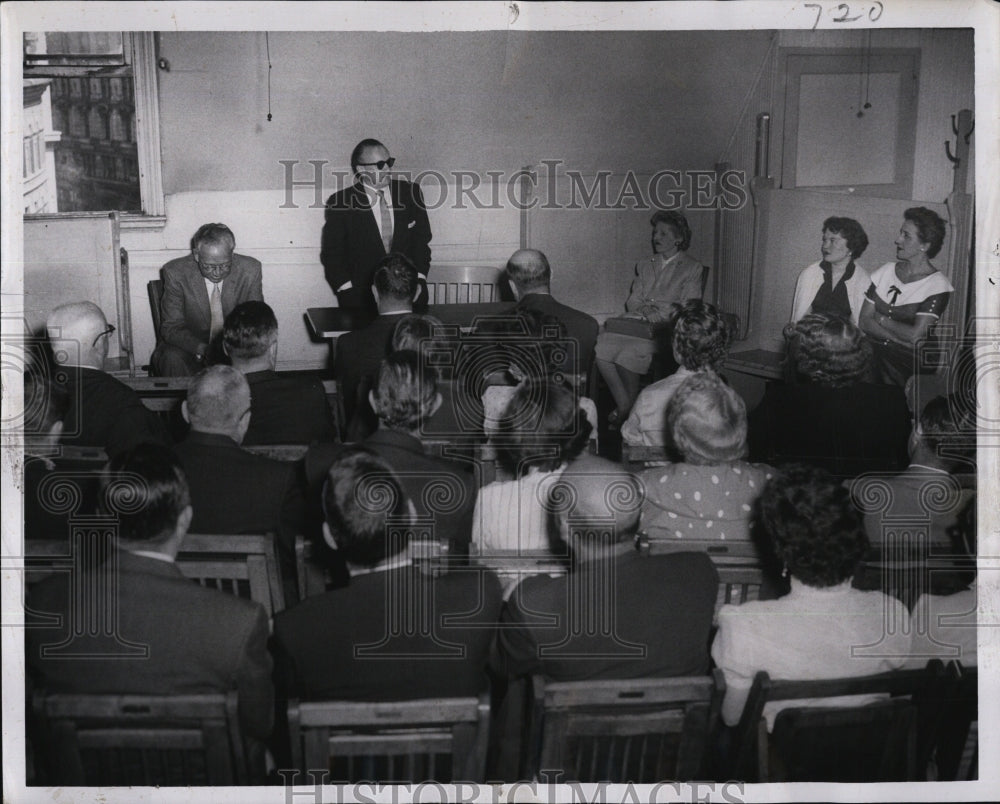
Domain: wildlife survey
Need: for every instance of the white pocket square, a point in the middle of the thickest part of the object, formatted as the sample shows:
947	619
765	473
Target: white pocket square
411	224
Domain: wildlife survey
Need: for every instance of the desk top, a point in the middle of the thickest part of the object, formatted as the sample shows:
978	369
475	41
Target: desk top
329	322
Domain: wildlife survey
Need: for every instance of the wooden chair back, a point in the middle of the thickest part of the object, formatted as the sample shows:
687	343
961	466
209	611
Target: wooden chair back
243	565
875	742
465	285
144	740
511	566
279	452
633	730
160	394
436	739
636	457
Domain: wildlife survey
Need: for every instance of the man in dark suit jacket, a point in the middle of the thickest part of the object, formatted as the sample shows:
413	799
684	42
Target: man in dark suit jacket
284	408
167	635
373	217
530	275
232	490
191	323
359	353
442	491
388	634
103	412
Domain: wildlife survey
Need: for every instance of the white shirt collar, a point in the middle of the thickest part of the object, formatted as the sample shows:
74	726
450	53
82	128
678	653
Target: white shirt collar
209	284
373	194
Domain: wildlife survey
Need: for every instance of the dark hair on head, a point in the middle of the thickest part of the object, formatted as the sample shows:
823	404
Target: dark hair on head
852	232
250	330
530	270
404	391
814	528
145	488
362	500
414	328
396	277
701	335
948	429
212	234
830	351
707	420
45	403
356	153
676	221
931	228
542	427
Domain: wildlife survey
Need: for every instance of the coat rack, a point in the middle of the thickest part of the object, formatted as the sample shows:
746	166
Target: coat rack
960	159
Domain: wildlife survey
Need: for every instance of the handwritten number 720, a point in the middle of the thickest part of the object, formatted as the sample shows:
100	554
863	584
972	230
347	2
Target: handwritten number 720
873	13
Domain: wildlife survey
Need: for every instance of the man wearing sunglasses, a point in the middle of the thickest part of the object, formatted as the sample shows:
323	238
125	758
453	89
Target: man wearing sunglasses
371	218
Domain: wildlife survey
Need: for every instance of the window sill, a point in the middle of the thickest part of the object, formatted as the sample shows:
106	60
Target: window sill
135	222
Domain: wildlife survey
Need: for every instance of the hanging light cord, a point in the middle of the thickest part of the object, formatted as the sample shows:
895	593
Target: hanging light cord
267	45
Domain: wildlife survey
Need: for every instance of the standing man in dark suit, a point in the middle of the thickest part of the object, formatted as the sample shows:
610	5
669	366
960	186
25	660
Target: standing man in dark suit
373	217
530	275
173	636
103	411
199	291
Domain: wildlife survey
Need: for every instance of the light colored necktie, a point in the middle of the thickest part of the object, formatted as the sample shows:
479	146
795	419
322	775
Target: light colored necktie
215	305
386	221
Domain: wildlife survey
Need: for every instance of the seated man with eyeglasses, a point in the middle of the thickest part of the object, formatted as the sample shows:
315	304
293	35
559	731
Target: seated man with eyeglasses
199	290
368	220
103	411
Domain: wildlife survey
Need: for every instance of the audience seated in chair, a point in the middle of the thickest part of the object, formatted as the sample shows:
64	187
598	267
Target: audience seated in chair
233	490
831	418
442	491
284	408
359	353
529	274
167	634
548	432
103	412
395	631
710	494
701	339
199	290
823	627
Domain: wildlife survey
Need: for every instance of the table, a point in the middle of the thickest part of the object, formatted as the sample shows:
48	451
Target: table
331	322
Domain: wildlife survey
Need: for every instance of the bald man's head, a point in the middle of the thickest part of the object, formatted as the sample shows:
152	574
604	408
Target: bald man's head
75	331
529	271
593	495
218	401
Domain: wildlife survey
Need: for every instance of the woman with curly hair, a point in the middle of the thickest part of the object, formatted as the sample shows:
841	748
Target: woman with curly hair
811	632
534	445
906	297
831	417
835	285
701	340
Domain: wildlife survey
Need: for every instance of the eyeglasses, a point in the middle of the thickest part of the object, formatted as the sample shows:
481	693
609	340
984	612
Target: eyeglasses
108	331
215	267
382	164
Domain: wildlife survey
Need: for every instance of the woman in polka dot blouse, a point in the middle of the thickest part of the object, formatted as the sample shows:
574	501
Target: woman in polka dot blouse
710	493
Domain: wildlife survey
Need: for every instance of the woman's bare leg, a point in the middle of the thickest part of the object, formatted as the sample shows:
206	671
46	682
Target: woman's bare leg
609	371
630	383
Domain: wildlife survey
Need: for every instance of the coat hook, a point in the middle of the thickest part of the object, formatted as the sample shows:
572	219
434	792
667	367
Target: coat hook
954	125
947	149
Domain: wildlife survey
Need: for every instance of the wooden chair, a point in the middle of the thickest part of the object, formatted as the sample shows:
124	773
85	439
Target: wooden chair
160	394
279	452
243	565
635	458
633	730
146	740
513	565
875	742
465	285
656	541
439	739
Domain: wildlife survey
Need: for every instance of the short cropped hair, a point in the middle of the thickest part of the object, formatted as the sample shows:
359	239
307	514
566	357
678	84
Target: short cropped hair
361	498
250	330
396	277
931	228
528	273
356	153
404	392
948	429
45	403
707	420
815	530
542	426
701	335
146	489
414	328
216	396
677	222
852	232
830	351
212	234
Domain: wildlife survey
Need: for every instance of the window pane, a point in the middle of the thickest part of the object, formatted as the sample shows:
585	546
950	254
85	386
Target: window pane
77	47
